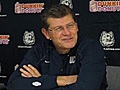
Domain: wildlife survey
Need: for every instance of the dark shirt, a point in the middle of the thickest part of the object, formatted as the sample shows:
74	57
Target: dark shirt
86	60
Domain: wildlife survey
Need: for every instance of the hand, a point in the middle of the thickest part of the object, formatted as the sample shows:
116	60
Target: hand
29	71
66	80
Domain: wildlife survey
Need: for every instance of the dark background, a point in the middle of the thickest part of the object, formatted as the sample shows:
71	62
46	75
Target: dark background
91	24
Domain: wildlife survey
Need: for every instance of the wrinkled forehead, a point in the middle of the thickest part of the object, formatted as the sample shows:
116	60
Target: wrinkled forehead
52	22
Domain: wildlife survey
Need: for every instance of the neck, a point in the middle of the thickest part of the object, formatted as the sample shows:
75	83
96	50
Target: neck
62	51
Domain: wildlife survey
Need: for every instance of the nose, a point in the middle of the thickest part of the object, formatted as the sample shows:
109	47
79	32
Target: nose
66	31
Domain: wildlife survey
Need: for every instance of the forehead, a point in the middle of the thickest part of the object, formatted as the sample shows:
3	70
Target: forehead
60	21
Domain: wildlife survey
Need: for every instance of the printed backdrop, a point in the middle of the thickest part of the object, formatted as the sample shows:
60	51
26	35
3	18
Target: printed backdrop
20	28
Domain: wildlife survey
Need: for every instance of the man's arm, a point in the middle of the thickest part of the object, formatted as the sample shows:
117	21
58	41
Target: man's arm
20	81
91	72
90	75
31	81
92	69
66	80
29	71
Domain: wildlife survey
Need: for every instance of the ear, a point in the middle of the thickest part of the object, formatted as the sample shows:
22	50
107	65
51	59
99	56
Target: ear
45	33
77	26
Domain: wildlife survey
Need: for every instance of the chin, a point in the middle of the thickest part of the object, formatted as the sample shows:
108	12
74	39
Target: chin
69	46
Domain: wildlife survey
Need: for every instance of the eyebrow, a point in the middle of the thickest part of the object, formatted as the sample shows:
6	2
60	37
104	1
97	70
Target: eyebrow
61	25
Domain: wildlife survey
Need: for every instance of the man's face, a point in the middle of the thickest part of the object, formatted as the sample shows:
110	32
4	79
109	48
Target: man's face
63	32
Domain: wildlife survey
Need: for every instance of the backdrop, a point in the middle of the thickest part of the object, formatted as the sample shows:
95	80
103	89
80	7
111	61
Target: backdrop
20	28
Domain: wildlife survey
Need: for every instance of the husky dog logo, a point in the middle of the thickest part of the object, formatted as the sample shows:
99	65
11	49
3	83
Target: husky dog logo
67	2
29	38
107	39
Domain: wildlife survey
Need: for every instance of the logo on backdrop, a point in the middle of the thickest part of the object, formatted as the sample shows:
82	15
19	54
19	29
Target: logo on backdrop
28	39
1	76
107	40
67	2
1	15
28	7
105	6
4	39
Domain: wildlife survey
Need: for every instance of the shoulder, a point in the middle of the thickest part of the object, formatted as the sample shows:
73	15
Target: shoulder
38	49
35	54
41	47
85	43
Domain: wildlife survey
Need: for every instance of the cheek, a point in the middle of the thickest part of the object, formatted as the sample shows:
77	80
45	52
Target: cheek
55	37
76	29
74	32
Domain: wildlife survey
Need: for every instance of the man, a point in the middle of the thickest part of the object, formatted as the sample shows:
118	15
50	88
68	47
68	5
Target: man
66	62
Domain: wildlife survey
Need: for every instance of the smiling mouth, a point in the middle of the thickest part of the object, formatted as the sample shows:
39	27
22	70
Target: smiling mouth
68	39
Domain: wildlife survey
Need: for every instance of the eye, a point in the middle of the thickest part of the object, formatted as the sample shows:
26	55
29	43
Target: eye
57	29
71	25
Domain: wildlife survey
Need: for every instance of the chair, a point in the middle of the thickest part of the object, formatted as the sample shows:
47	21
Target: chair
2	86
113	77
